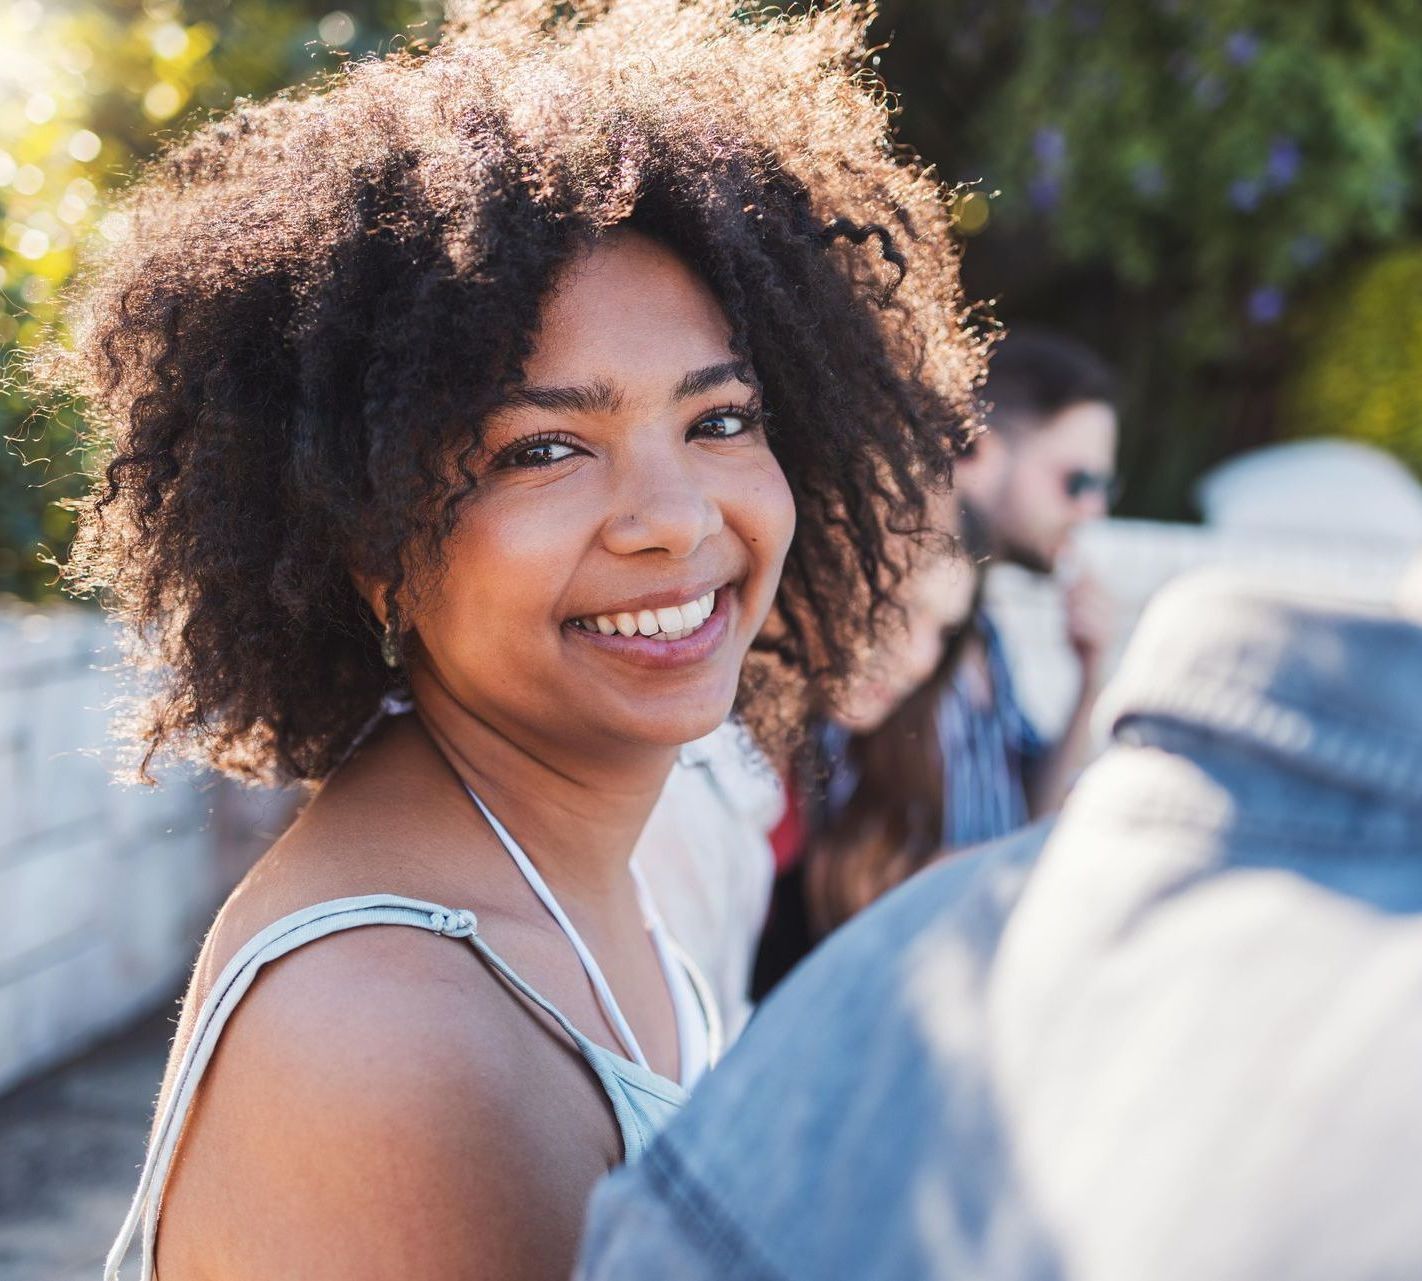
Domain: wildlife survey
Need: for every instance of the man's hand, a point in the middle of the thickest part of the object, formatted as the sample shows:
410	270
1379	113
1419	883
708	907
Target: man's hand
1090	627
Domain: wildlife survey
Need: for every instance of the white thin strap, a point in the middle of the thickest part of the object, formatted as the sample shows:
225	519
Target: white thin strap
693	1020
536	882
395	703
707	1007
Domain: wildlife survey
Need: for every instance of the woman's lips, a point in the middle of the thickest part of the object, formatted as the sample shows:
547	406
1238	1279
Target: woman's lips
650	652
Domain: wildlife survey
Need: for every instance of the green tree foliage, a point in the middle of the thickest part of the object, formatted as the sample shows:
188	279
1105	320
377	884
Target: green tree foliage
87	91
1176	179
1361	360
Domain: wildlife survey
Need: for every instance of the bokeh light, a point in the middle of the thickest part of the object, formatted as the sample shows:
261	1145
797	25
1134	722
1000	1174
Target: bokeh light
163	101
337	29
88	90
971	212
85	146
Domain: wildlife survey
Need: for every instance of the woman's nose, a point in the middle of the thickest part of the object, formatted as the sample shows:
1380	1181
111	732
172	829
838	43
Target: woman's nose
663	509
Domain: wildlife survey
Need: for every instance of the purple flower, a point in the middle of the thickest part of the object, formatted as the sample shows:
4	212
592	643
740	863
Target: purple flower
1209	92
1306	251
1148	178
1244	194
1044	192
1285	157
1265	305
1241	47
1087	17
1049	146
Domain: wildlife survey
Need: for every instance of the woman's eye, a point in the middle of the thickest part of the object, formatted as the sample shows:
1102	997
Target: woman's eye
723	426
543	453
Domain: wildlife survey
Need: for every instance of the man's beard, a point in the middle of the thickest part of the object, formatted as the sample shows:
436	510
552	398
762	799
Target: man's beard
975	533
1028	558
976	537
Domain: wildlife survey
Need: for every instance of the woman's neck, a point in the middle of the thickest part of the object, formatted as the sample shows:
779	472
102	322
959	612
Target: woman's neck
577	813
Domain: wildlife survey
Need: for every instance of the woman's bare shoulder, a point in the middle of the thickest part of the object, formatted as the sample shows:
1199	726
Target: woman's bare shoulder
378	827
380	1104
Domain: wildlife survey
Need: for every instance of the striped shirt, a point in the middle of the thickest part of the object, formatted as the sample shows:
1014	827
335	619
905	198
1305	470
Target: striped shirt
988	746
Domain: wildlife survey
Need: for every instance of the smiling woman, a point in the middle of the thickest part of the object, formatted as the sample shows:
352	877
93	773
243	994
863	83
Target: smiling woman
627	479
528	386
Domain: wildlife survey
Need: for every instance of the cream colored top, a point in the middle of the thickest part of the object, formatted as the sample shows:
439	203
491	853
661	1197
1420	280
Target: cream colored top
706	857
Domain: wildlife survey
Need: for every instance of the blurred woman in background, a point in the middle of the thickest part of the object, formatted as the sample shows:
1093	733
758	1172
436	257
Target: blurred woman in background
867	804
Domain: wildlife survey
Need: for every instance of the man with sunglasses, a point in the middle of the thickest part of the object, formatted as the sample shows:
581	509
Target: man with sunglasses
1045	465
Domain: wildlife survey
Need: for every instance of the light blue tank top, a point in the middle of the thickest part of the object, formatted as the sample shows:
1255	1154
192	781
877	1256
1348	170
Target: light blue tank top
642	1100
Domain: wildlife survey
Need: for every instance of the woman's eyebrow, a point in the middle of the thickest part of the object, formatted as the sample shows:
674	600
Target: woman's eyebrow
703	380
592	398
602	397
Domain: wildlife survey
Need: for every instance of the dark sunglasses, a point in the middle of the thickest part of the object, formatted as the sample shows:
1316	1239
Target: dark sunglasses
1079	484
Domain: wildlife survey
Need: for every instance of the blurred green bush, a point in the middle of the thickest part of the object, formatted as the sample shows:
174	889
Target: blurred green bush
1360	367
1175	181
1178	180
87	91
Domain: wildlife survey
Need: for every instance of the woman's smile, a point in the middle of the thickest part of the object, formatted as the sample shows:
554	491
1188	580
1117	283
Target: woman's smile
653	635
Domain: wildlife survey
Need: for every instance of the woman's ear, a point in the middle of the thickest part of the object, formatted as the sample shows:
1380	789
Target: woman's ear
377	595
393	624
374	593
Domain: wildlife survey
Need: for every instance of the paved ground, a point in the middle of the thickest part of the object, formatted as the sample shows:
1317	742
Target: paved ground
70	1146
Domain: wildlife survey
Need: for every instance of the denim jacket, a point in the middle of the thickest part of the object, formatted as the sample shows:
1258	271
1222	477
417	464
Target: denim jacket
1178	1036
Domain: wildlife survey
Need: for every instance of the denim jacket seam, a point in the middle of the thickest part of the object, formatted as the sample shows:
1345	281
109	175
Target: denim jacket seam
1390	756
1301	699
708	1220
1313	828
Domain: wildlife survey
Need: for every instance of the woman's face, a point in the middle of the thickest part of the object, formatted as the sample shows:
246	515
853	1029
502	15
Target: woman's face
628	490
937	598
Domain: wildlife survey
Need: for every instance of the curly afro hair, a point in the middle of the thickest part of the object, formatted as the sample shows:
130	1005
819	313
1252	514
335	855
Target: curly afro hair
319	299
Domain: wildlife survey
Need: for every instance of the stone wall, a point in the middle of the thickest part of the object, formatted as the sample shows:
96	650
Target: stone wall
105	889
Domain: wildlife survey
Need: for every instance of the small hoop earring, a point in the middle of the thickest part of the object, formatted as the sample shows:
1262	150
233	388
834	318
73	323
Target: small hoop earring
390	642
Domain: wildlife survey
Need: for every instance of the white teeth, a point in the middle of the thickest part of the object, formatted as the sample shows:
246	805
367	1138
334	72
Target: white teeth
669	623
